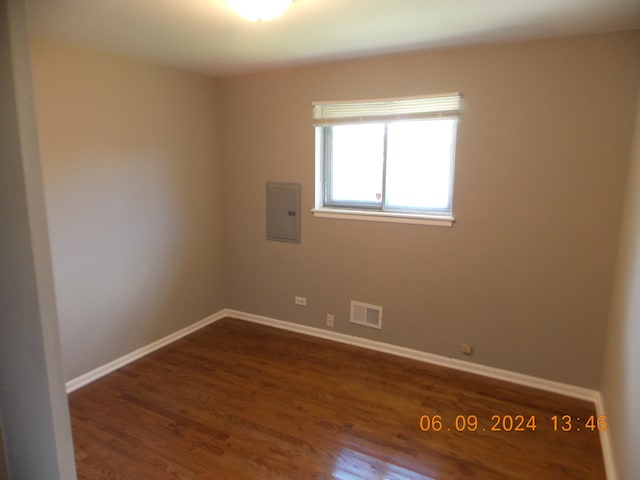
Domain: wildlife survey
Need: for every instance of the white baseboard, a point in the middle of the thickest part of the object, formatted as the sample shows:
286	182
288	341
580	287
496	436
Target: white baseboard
89	377
491	372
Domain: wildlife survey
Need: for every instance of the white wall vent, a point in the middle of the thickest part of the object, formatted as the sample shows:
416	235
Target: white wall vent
366	314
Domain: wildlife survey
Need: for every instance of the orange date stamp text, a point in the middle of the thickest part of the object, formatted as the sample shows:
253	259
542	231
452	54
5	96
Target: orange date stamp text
512	423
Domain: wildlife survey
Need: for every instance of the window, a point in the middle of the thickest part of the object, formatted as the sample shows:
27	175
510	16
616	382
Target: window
387	160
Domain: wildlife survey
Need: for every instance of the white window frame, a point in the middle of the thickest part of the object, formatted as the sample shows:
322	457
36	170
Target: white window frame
327	114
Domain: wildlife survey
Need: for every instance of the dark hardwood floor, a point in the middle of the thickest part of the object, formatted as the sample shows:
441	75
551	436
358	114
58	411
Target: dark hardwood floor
239	401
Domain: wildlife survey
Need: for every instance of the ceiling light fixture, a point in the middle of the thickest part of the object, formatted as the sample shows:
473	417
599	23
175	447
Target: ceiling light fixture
259	10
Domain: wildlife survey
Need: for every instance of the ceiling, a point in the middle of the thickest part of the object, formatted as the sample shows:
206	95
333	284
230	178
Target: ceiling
206	36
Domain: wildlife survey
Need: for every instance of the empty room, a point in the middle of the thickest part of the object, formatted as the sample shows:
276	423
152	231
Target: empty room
320	239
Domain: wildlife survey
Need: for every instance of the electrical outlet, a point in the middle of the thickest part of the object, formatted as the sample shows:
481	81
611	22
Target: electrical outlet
467	349
330	320
301	301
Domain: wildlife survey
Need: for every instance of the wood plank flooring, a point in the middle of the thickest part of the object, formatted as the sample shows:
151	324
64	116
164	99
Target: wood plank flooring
239	401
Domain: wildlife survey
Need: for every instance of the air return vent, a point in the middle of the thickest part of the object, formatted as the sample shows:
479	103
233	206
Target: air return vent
366	314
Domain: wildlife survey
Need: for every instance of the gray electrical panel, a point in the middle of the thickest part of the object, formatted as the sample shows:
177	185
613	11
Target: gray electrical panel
283	212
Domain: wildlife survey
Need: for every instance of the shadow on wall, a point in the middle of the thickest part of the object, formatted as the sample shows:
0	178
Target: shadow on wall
131	178
127	256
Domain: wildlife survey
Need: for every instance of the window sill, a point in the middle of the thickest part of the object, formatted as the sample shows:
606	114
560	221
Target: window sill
410	218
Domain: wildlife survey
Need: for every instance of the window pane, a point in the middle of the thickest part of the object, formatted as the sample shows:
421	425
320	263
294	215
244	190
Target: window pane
419	164
357	159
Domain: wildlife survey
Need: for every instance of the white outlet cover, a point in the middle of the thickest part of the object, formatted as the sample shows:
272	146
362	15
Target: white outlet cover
330	320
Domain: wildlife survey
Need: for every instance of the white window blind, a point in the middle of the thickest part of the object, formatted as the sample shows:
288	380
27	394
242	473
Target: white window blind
366	111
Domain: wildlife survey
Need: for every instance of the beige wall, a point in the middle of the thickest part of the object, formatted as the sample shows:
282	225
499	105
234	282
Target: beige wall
621	371
132	182
524	275
140	202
